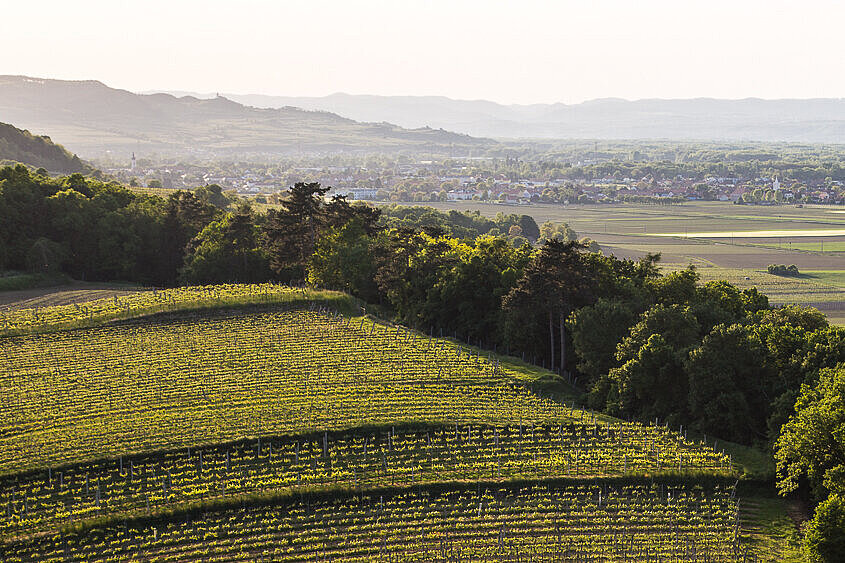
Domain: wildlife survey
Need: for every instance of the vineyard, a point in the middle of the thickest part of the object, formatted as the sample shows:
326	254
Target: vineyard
257	422
23	321
533	523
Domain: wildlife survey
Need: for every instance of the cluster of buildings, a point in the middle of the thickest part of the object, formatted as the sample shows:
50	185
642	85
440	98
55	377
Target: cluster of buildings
432	181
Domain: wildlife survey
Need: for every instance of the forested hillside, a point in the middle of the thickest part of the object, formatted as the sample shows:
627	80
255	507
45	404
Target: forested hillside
18	145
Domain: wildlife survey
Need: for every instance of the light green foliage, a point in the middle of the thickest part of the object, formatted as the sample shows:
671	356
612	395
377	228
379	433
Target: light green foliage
96	230
812	442
650	381
590	244
463	225
651	384
675	288
212	194
456	285
824	541
782	270
675	323
560	231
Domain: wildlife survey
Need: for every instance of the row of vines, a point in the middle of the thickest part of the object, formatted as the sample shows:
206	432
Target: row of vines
596	522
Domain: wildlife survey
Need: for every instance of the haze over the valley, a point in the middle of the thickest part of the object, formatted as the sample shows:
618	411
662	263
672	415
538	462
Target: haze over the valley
750	119
537	70
511	53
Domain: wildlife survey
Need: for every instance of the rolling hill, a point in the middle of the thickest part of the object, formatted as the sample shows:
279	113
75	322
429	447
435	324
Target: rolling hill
92	119
815	120
17	145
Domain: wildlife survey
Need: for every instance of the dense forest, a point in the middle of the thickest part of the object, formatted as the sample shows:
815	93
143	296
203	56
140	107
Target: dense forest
641	345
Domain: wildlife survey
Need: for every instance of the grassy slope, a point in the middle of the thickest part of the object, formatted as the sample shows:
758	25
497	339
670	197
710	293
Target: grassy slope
18	145
829	277
20	281
771	530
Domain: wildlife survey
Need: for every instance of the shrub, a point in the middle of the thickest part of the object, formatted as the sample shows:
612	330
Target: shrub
825	538
783	270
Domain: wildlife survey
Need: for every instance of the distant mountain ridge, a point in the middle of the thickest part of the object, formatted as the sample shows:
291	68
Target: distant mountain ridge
751	119
21	146
92	119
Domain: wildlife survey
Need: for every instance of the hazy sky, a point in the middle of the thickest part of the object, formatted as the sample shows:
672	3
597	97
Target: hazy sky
514	52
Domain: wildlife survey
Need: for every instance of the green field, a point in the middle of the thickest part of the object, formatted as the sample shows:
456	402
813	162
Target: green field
813	288
638	219
836	319
830	277
144	190
639	225
16	281
837	245
244	422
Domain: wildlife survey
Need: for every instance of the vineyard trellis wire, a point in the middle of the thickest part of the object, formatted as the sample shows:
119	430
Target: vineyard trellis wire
92	313
139	484
636	523
178	383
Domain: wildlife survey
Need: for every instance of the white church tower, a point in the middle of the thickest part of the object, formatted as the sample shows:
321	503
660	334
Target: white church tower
775	183
132	163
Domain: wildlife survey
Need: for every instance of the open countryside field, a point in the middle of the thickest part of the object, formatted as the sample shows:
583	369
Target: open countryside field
637	219
836	318
244	422
637	228
831	277
631	231
827	244
805	289
717	252
770	234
